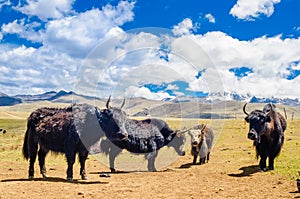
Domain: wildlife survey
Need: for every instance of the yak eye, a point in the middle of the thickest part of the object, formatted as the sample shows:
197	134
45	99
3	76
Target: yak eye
199	135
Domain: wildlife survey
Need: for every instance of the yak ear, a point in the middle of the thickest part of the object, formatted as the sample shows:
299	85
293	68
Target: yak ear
247	119
268	119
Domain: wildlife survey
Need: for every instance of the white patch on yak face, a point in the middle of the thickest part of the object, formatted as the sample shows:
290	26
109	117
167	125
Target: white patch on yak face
195	136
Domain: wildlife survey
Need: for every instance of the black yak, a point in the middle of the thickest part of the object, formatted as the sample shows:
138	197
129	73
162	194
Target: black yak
266	129
202	138
63	130
136	136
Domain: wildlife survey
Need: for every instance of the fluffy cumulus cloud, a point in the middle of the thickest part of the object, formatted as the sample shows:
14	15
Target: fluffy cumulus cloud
64	41
23	30
124	63
185	27
210	18
249	10
268	58
45	10
133	91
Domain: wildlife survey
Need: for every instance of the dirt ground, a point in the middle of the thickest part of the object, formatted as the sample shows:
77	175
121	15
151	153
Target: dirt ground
220	178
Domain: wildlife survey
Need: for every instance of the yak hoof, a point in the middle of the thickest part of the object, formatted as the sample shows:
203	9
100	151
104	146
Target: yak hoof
45	175
30	177
69	179
113	170
271	168
83	177
263	169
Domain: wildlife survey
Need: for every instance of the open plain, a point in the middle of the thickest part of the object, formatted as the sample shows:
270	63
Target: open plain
232	171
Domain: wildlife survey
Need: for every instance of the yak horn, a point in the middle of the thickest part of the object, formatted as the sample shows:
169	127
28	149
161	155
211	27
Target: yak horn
244	109
123	103
107	103
204	125
271	110
184	131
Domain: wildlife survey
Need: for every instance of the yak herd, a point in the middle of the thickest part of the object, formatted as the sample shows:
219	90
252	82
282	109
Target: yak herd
80	127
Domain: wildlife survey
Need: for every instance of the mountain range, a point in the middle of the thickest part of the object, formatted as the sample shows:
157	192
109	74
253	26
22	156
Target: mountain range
66	97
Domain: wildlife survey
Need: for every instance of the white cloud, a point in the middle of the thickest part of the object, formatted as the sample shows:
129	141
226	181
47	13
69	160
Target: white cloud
77	35
269	59
133	91
210	18
183	28
23	30
249	10
44	9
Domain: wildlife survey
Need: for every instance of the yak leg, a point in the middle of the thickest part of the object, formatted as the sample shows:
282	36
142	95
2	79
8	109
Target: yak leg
207	158
272	156
42	154
83	154
195	159
71	160
262	151
202	160
271	163
151	159
33	153
113	153
262	164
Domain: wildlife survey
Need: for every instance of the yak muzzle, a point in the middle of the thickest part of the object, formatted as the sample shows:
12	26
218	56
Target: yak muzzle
252	135
195	143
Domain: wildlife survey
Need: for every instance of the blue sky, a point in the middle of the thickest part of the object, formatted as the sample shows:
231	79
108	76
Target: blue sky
193	48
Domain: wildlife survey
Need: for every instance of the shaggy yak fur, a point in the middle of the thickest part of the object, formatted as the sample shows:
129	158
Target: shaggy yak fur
266	129
202	138
63	130
136	136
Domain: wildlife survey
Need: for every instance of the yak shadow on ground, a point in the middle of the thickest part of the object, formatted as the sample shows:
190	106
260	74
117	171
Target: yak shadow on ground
107	174
53	179
188	165
247	171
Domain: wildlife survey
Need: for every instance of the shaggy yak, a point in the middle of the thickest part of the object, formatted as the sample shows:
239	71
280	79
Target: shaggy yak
136	136
63	130
202	139
266	129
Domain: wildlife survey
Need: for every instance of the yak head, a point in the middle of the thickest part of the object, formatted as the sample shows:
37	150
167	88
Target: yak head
113	120
197	136
178	142
259	122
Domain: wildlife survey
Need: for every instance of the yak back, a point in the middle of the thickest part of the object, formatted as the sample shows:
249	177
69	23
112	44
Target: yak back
55	127
143	137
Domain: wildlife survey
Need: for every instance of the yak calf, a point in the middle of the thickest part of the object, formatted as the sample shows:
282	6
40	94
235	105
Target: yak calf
202	139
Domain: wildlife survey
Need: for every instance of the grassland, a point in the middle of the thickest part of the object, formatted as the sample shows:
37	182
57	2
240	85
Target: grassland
232	171
230	139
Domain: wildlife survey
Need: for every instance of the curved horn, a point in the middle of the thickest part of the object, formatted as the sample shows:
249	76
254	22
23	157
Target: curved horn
271	110
203	127
107	103
123	103
244	109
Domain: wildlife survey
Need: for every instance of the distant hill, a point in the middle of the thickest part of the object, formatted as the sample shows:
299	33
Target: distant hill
216	105
66	97
6	100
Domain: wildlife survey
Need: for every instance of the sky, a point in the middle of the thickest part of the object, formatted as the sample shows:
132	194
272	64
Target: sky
154	49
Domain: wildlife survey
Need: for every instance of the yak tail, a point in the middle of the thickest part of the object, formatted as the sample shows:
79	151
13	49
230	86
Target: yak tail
26	149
